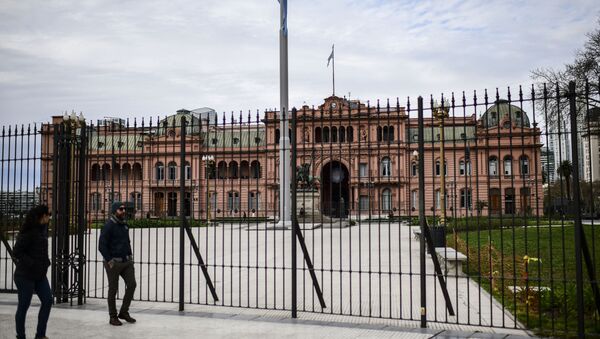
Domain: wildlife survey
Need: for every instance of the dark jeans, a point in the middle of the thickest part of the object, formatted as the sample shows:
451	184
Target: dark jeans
127	272
25	288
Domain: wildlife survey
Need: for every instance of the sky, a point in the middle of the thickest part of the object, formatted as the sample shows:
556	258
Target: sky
135	59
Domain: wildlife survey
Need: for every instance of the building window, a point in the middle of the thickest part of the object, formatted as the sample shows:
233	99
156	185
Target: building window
437	199
326	134
413	169
363	171
188	171
386	167
414	199
379	134
233	170
509	200
461	167
386	200
137	171
334	134
318	134
96	200
437	168
363	203
493	166
468	166
255	169
105	172
244	170
342	132
465	198
136	199
277	135
95	176
524	164
253	202
350	134
160	171
508	165
172	171
222	170
213	201
233	201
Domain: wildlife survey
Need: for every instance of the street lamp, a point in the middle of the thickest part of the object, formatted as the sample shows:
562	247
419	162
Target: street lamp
440	112
208	160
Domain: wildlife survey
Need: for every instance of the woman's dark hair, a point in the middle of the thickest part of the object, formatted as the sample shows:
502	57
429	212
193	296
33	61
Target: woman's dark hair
32	219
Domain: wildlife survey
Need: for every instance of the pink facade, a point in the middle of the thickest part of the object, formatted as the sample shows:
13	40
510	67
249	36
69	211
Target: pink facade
361	155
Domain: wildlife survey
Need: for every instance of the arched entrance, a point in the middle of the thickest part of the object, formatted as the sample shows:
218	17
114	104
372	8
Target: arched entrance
334	190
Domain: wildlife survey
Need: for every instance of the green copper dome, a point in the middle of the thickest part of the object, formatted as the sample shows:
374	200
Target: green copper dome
501	112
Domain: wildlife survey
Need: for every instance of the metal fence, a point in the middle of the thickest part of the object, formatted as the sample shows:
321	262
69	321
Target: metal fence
473	209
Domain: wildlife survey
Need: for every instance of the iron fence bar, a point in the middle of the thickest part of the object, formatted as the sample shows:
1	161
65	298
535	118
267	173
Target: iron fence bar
182	217
422	220
294	206
82	215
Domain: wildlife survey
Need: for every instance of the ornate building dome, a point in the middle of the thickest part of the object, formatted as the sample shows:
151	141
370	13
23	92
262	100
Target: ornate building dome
501	112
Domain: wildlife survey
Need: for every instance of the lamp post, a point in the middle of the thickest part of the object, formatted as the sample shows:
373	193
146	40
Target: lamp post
440	112
208	160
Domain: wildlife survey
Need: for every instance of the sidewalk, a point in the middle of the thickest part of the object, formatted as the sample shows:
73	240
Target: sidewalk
160	320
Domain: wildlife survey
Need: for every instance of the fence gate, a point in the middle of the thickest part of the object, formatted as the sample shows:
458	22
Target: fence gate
69	169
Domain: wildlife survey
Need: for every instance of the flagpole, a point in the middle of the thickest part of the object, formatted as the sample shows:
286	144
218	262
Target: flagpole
333	66
285	212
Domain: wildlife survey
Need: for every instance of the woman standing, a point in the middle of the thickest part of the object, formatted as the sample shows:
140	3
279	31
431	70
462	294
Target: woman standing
31	257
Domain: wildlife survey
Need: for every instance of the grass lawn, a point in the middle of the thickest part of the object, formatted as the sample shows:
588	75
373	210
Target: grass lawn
496	260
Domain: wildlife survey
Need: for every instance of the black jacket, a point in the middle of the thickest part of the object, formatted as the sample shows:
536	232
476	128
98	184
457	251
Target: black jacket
31	254
114	239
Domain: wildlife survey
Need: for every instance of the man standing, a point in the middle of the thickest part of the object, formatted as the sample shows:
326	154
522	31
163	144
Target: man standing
118	261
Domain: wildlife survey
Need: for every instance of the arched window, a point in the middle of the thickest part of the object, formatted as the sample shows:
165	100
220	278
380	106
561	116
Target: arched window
95	175
350	134
233	201
318	134
334	134
465	198
325	134
244	170
255	169
379	133
222	169
105	172
233	170
126	172
342	132
188	171
385	133
508	165
137	171
172	171
116	172
391	133
524	164
386	167
386	200
437	168
96	201
160	171
493	166
413	169
461	167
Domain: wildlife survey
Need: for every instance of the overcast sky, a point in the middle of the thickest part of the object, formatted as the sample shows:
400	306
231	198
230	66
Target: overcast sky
149	58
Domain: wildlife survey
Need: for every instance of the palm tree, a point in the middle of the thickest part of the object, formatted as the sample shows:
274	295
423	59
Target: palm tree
565	169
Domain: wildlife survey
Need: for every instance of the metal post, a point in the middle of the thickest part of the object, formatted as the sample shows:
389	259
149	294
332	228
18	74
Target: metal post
182	216
422	221
284	143
81	210
577	214
294	219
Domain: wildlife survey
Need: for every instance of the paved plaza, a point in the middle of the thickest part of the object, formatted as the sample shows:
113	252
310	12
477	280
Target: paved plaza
369	271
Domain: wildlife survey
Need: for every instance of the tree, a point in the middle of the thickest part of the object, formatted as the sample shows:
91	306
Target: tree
565	169
584	71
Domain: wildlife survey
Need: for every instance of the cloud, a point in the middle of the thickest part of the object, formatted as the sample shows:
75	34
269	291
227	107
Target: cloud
141	59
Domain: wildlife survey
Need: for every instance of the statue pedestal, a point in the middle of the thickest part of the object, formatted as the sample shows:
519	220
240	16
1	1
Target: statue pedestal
307	206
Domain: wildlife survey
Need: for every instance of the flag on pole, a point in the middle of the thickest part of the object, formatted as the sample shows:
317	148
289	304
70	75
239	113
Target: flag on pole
330	56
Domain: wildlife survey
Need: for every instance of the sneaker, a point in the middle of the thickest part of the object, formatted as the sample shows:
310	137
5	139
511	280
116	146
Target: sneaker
127	317
115	321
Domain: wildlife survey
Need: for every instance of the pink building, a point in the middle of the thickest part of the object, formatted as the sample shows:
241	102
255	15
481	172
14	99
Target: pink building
362	156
